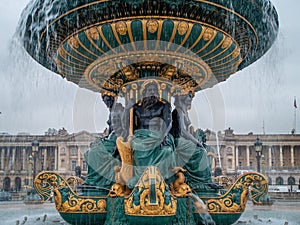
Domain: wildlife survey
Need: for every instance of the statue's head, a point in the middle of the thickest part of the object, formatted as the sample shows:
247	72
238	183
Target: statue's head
184	100
109	99
116	118
150	88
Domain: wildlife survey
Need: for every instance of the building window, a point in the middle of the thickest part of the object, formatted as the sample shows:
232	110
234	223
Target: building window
229	163
240	164
291	181
279	181
239	152
229	151
251	164
270	180
84	166
73	165
73	151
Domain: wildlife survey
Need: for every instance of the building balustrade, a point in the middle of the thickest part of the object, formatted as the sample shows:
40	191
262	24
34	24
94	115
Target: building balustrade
270	169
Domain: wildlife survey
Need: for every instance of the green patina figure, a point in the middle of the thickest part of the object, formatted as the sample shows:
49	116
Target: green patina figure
190	152
152	144
102	157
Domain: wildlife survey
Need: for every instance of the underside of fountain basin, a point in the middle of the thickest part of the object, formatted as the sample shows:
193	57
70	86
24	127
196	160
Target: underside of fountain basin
95	43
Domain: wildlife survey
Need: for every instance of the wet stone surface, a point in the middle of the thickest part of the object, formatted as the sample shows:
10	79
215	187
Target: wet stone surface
17	213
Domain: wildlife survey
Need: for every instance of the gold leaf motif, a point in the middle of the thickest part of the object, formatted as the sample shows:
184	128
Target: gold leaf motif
73	42
139	202
208	34
163	86
121	28
152	26
61	52
182	28
236	53
238	62
227	42
93	33
134	86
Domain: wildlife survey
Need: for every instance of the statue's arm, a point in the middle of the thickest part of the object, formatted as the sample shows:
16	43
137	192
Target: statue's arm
184	132
167	117
125	123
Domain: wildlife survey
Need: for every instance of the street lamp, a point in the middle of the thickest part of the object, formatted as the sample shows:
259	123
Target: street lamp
258	149
35	149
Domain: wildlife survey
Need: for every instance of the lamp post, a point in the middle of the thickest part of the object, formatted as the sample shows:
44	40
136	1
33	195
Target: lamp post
35	149
258	149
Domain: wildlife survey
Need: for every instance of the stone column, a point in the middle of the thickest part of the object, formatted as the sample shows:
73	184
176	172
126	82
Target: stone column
270	156
8	158
23	158
13	159
45	158
292	156
280	155
58	159
79	156
248	155
236	156
55	158
2	151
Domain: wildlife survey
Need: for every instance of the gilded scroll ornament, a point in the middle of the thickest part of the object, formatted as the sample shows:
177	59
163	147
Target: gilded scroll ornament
151	196
236	197
66	200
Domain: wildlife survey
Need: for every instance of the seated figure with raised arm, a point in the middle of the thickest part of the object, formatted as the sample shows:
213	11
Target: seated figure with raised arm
102	157
151	143
190	152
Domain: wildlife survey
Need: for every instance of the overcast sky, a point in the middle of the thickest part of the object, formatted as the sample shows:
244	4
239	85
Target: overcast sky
257	99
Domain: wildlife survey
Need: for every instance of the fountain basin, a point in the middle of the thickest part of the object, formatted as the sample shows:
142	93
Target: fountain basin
88	42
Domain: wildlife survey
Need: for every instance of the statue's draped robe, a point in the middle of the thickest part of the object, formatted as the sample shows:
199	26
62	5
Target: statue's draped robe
148	151
191	157
101	162
151	143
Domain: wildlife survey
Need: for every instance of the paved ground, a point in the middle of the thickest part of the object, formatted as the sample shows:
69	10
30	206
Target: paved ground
14	213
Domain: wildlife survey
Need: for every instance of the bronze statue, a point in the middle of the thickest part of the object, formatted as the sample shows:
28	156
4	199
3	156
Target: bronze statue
151	143
190	153
103	156
109	101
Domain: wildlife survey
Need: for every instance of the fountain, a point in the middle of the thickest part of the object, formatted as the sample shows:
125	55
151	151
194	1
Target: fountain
152	167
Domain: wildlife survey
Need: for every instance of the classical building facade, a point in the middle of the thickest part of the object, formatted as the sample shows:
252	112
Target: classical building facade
62	152
279	156
56	151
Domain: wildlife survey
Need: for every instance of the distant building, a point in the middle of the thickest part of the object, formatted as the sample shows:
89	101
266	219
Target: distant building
61	152
57	151
280	160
